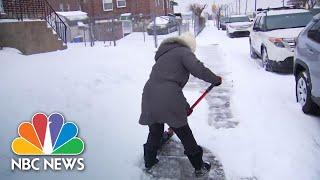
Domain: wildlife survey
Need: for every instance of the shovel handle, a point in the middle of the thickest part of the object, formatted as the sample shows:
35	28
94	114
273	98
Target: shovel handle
202	96
170	130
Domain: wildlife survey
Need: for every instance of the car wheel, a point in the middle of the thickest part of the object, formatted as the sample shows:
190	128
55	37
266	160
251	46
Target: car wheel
253	54
265	59
229	34
303	93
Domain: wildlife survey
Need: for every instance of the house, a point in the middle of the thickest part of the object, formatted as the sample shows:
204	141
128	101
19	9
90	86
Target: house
114	8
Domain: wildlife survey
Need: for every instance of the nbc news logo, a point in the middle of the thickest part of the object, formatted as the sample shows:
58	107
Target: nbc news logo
47	136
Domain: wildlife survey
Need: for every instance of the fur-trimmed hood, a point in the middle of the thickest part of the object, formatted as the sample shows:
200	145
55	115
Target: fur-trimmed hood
186	39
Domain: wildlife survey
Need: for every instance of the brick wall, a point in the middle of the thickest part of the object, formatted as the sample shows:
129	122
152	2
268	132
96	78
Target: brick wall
94	8
146	7
65	5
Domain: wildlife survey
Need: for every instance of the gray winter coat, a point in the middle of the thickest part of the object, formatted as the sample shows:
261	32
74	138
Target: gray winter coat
162	99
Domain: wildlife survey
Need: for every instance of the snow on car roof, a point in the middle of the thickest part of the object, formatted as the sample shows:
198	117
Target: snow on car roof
286	11
238	16
74	15
126	14
161	20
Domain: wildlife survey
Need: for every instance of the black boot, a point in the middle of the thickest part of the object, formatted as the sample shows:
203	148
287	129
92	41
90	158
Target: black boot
201	168
206	166
150	157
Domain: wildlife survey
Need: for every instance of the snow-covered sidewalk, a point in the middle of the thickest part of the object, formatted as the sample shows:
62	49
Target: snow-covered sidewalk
274	139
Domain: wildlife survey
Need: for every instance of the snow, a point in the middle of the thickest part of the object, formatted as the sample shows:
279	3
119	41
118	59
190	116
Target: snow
183	5
126	14
74	15
234	16
16	20
99	88
162	20
286	11
274	139
284	33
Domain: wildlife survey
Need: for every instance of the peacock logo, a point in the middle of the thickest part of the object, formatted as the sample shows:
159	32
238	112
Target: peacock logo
47	136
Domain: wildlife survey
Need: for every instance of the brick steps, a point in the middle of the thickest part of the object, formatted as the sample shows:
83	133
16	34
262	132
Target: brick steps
30	37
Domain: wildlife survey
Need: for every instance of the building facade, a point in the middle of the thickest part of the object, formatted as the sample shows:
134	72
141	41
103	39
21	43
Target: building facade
112	8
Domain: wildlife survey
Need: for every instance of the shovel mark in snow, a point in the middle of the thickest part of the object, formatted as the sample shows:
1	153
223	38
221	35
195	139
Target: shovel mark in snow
219	99
173	164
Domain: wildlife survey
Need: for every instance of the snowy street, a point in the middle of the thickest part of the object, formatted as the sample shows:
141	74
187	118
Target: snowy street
251	123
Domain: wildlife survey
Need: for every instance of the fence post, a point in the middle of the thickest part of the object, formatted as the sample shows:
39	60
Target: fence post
113	34
155	31
20	7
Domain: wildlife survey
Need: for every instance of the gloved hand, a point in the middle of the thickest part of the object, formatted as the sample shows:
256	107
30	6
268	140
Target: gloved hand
189	111
218	82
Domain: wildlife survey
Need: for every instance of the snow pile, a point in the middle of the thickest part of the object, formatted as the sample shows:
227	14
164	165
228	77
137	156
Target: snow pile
74	15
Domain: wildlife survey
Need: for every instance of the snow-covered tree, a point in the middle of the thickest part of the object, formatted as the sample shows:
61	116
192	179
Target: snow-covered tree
304	3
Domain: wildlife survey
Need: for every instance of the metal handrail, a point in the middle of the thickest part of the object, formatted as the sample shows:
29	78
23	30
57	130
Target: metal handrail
35	9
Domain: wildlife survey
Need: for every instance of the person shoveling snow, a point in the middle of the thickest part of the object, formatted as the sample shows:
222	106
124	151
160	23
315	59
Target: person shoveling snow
163	101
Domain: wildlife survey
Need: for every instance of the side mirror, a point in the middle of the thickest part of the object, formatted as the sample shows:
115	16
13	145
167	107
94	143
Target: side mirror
312	34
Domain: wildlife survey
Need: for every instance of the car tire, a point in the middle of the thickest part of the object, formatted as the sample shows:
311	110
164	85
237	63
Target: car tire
229	34
253	54
265	59
303	94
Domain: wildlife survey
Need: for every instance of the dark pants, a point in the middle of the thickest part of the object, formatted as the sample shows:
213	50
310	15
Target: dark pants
192	150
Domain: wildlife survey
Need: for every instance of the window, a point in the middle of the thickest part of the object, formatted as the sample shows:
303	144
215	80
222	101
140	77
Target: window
261	23
1	7
121	3
257	22
157	3
286	21
163	4
314	32
107	5
61	6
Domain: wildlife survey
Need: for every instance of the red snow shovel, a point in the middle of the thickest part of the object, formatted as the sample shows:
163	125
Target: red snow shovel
169	133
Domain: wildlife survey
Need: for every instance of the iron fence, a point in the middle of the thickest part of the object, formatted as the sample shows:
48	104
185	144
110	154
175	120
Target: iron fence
113	28
35	9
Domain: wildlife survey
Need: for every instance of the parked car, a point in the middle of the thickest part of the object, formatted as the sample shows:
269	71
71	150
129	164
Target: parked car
307	67
238	25
315	11
223	22
164	25
273	37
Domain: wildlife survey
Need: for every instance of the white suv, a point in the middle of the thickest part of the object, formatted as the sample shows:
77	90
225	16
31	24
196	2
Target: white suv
238	25
273	36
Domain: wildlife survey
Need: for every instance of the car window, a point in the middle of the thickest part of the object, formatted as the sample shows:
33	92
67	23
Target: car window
286	21
261	23
314	32
256	23
239	19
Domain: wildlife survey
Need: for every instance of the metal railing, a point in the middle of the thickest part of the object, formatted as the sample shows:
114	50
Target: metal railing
35	9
